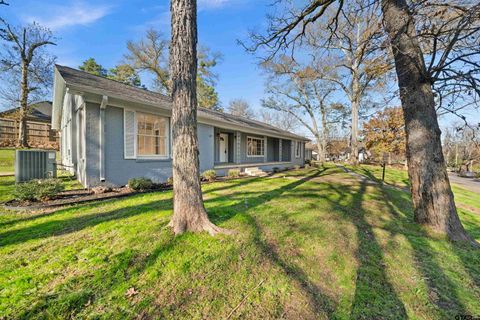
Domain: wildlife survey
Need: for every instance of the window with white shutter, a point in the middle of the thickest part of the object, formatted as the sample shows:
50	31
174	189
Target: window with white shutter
129	134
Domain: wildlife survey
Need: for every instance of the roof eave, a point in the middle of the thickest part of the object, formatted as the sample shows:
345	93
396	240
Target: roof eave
59	89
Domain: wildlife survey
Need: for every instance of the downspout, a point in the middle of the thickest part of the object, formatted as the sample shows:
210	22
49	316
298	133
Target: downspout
101	138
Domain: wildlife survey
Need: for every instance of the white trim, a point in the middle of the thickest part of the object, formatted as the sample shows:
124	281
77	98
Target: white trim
297	146
258	155
253	164
101	129
167	144
125	134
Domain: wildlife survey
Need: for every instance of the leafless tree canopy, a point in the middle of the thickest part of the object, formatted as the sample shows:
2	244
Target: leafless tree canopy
241	108
25	47
449	32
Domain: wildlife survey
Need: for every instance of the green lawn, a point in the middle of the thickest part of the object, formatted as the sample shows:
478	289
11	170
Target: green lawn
7	160
314	244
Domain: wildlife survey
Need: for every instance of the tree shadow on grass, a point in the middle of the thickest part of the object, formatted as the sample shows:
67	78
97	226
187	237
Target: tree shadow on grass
64	226
375	297
442	291
319	301
69	299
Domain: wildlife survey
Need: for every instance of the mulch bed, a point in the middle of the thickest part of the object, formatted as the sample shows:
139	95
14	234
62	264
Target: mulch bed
72	197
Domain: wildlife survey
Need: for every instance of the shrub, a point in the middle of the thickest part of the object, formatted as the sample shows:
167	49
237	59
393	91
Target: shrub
170	181
276	169
233	173
38	190
209	175
140	184
296	167
307	166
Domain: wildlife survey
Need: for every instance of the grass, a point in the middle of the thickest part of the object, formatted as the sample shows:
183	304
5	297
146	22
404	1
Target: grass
314	244
7	160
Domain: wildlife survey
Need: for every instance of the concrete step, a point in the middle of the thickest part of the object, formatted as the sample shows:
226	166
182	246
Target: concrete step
255	172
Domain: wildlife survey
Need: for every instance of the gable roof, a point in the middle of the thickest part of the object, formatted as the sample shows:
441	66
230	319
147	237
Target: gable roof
99	85
39	111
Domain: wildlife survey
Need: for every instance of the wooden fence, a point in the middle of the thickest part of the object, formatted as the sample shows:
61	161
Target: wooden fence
39	134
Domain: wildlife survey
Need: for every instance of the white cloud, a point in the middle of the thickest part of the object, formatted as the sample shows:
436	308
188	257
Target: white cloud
78	13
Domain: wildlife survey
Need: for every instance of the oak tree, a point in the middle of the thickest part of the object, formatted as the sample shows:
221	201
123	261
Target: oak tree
384	133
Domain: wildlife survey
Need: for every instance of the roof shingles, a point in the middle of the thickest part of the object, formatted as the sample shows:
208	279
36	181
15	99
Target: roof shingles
104	86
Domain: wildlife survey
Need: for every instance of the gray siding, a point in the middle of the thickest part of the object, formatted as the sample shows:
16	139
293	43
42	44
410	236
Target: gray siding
272	149
92	144
205	146
119	170
243	149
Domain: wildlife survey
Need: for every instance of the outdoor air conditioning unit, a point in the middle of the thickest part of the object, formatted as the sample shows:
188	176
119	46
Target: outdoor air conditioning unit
34	164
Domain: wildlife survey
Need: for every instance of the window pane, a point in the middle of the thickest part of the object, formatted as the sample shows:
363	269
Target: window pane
152	136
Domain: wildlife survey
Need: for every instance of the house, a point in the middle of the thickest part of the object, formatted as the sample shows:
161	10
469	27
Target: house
111	132
39	132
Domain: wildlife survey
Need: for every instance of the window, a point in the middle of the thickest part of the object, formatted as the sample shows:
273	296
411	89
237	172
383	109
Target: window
255	147
152	135
297	149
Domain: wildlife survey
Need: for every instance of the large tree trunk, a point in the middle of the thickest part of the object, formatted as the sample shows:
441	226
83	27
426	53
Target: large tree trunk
188	210
22	129
355	106
431	193
324	131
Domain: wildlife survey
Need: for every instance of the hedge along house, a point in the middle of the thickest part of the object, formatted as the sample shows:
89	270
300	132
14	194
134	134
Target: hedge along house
111	132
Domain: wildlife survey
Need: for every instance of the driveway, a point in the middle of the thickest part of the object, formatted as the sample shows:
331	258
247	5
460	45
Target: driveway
466	183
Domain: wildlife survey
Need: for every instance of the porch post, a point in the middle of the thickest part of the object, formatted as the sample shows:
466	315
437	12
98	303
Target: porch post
265	158
280	149
238	138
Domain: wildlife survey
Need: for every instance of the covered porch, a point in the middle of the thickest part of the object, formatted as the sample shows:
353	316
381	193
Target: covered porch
235	149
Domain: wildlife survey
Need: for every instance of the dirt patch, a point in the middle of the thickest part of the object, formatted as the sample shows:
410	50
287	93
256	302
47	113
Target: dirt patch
468	208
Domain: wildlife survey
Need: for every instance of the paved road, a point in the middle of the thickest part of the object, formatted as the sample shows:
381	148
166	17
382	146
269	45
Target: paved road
466	183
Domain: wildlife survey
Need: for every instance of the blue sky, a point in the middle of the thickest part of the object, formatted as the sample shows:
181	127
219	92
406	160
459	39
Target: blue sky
100	29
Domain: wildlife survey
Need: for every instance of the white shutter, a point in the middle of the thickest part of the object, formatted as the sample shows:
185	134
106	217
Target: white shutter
129	134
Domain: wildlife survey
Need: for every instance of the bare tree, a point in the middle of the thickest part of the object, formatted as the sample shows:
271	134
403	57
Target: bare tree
26	66
302	92
189	213
358	65
240	108
282	120
150	54
448	32
431	193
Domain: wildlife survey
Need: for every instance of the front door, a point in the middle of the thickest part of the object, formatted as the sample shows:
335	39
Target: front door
223	145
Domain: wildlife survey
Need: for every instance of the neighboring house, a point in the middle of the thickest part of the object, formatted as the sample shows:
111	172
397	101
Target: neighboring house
310	153
111	132
39	132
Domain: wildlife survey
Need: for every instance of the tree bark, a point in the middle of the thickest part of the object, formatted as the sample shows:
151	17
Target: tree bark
324	132
431	193
22	126
189	213
354	136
